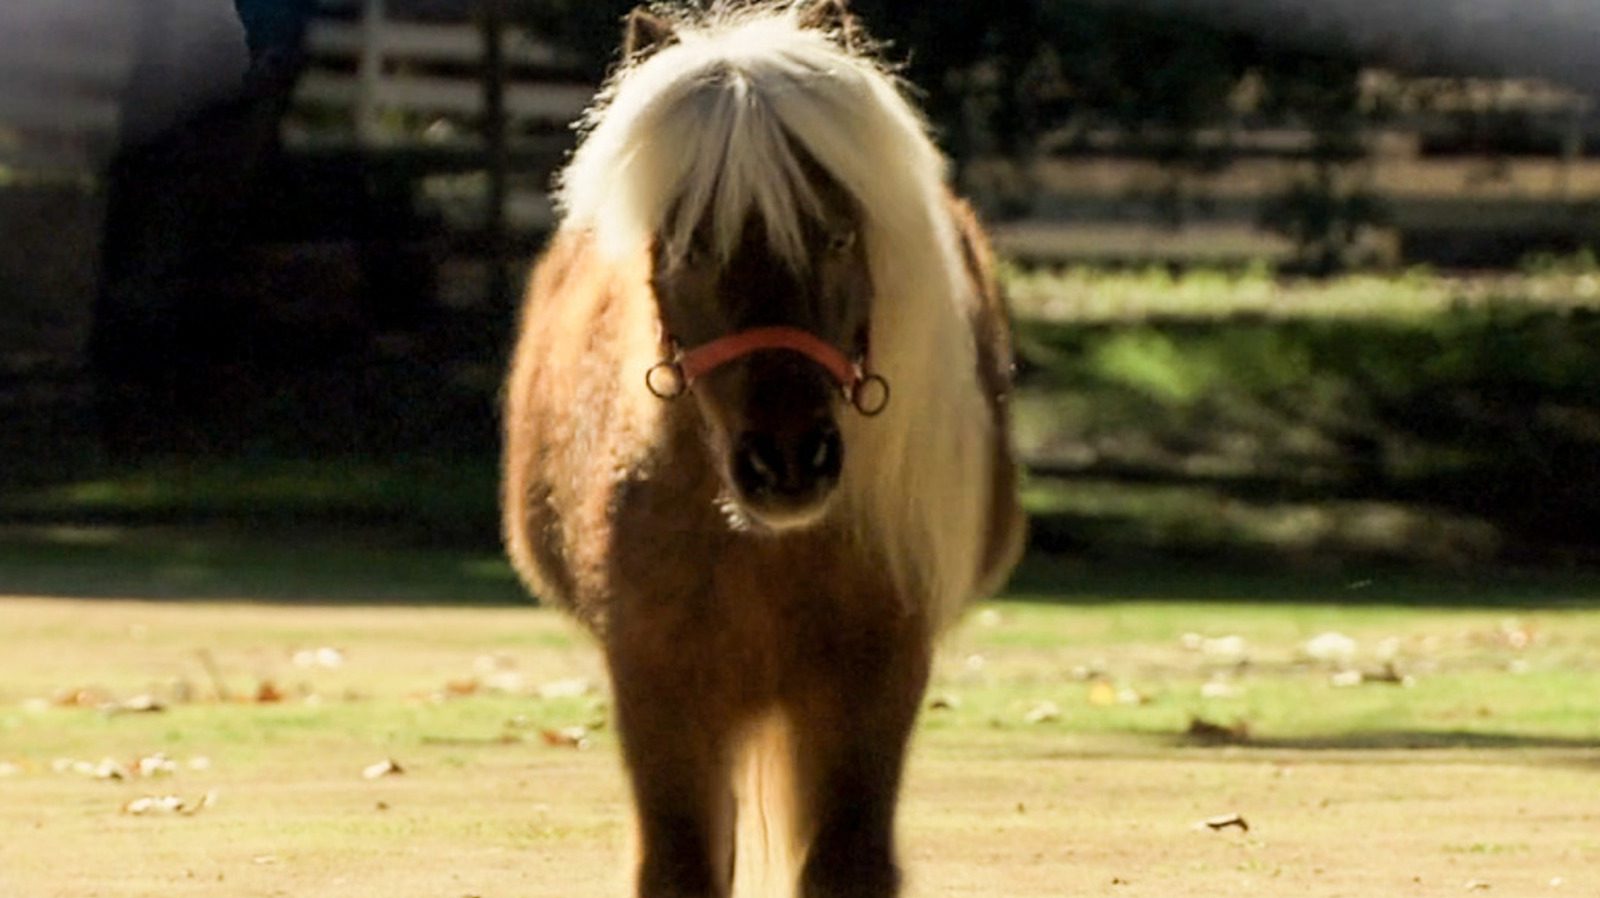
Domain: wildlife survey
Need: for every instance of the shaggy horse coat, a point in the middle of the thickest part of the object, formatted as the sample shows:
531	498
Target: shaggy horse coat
765	565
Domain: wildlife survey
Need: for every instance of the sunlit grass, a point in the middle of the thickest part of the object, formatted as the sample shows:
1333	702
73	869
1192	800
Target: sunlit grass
1109	667
1092	294
1409	416
1142	669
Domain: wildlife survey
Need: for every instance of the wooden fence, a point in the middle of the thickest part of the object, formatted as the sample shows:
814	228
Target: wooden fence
477	113
385	76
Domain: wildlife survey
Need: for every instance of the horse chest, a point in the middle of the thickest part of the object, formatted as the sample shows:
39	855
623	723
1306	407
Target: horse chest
758	605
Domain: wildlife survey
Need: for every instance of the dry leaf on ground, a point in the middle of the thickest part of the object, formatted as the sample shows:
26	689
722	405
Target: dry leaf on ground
104	769
1219	688
157	764
1231	648
463	687
1344	679
1202	730
1224	821
1043	712
150	805
566	737
385	767
1389	674
143	703
1102	694
571	687
79	698
1330	646
325	657
108	768
506	682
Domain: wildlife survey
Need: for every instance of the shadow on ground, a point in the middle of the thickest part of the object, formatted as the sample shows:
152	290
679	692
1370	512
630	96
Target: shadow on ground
1054	578
1379	740
261	564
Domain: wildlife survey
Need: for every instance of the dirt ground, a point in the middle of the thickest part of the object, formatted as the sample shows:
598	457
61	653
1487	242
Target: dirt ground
477	813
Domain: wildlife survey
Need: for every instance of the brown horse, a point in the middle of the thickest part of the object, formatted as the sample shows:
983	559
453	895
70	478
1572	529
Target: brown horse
756	439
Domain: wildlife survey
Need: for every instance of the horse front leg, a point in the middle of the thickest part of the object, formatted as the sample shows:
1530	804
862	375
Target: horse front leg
852	728
676	743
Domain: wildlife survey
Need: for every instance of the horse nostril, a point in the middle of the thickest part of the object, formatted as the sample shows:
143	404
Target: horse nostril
758	463
797	466
822	452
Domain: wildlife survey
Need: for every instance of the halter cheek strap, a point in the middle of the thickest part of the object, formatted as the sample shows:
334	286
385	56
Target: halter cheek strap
868	393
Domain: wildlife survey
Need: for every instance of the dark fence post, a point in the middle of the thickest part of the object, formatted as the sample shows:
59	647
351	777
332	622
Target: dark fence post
494	137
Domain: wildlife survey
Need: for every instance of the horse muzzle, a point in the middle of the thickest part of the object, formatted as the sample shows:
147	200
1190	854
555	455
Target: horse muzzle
787	478
783	452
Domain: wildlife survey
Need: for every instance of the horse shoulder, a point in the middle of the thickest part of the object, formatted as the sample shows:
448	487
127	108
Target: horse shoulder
532	524
991	327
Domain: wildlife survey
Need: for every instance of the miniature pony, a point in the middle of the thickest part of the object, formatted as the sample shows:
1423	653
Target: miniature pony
756	439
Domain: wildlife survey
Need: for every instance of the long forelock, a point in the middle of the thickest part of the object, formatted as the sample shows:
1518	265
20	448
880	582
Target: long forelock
745	166
719	128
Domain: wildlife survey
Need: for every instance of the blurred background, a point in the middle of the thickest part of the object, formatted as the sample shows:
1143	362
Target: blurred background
1300	287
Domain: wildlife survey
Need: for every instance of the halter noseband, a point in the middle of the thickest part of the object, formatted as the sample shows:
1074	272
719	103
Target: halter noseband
867	393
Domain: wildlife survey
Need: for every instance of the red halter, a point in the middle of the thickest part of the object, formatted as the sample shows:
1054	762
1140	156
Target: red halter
707	357
868	393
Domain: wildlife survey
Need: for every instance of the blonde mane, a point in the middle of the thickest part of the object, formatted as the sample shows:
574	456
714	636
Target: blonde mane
710	127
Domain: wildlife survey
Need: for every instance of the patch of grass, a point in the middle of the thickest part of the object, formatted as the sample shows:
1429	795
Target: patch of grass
1415	418
1089	294
1514	658
1114	669
1138	669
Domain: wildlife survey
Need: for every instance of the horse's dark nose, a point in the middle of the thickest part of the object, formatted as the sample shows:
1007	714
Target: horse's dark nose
789	467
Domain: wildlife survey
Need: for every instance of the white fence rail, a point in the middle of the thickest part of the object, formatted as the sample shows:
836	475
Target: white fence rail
423	41
549	105
375	65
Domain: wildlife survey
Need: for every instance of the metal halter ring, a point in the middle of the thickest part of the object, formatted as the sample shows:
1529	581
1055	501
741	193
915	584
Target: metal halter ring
869	395
665	380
